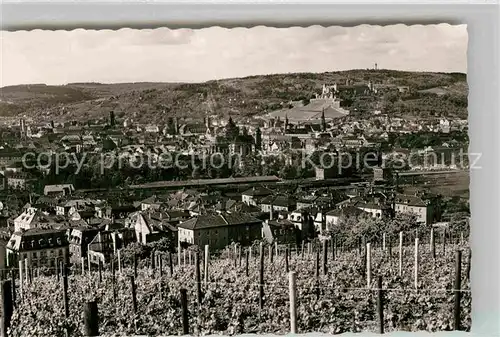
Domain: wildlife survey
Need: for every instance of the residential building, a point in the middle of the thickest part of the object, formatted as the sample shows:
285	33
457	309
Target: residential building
107	242
334	216
79	239
19	180
426	209
41	247
376	209
220	230
254	195
28	219
281	231
303	219
151	226
278	203
58	190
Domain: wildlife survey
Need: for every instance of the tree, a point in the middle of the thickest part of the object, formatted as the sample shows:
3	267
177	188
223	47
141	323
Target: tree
232	131
288	172
170	126
258	139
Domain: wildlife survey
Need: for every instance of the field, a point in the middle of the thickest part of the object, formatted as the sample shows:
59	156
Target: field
447	185
335	302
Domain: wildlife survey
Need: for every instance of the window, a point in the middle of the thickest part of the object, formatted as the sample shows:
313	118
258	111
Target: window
34	255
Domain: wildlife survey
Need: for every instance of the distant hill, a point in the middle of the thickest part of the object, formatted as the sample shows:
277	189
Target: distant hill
248	96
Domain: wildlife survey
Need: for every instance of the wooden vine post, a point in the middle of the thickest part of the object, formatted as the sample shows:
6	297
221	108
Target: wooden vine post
457	290
91	319
13	280
135	265
239	257
99	269
368	265
444	241
119	261
316	265
134	299
287	267
432	245
133	291
261	277
27	270
325	258
416	263
205	263
316	273
380	305
469	259
179	249
389	241
247	260
21	278
160	264
198	276
153	266
7	306
171	263
293	305
64	272
113	280
332	240
184	305
400	254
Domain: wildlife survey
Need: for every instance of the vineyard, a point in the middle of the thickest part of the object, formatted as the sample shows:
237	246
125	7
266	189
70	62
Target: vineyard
335	291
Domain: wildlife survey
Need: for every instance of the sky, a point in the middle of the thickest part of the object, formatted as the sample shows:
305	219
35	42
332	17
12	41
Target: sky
187	55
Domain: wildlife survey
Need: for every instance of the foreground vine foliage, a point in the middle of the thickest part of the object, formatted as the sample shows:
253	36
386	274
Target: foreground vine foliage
335	303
